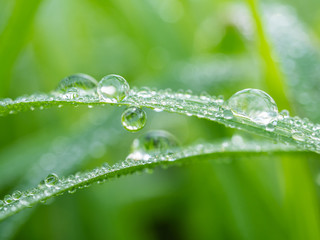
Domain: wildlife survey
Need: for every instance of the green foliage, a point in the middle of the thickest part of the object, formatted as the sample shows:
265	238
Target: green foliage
257	183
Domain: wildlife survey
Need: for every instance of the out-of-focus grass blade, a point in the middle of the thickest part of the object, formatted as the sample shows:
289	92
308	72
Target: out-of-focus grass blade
13	39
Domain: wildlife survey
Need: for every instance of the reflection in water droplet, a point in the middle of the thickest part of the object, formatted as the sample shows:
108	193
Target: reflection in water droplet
254	104
113	88
16	195
8	199
284	113
153	142
51	180
77	82
133	119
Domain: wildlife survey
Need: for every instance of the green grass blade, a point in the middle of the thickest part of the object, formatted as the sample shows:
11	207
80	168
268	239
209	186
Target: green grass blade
170	157
293	130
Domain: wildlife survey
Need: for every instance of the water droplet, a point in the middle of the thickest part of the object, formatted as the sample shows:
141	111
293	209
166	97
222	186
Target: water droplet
237	140
145	92
254	104
113	88
153	142
205	96
51	179
133	119
77	82
284	113
1	203
227	114
16	195
8	199
271	126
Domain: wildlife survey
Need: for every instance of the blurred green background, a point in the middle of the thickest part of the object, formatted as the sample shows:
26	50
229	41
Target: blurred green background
215	46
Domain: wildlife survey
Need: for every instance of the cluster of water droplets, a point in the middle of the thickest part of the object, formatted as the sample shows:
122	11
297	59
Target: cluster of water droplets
250	109
149	150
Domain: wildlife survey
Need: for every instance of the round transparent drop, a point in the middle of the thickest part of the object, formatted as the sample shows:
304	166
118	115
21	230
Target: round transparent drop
77	82
133	119
153	142
16	195
255	105
113	88
51	180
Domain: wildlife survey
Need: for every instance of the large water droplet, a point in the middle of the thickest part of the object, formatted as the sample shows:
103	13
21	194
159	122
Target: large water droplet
51	179
77	82
254	104
153	142
113	88
133	119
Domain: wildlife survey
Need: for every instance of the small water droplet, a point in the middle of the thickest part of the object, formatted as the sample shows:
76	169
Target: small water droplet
16	195
254	104
205	96
237	140
271	126
51	180
133	119
113	88
284	113
158	109
8	199
77	82
145	92
227	114
1	203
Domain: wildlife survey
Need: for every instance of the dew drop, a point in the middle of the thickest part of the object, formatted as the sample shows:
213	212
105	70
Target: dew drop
16	195
8	199
1	203
227	114
204	96
270	127
51	180
153	142
77	82
285	113
113	88
145	92
133	119
254	104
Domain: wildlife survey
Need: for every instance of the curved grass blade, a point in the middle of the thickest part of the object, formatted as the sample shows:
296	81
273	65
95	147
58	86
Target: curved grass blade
61	152
293	130
53	186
